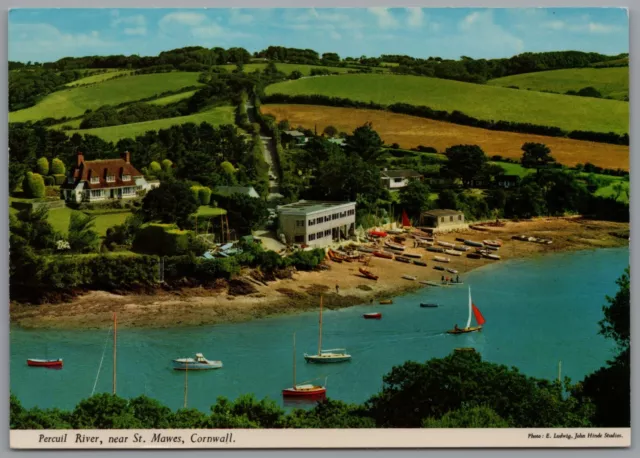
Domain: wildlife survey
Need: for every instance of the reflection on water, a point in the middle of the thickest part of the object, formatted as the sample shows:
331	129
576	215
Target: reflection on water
528	306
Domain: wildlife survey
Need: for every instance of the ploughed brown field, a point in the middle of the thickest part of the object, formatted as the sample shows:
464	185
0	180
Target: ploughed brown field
411	131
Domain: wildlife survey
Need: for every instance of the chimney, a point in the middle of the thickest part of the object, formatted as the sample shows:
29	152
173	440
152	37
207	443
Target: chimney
126	156
80	158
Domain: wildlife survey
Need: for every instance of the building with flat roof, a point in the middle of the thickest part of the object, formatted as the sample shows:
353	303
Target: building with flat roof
316	223
443	220
397	179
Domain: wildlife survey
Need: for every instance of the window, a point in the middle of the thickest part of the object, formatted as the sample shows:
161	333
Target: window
397	180
319	235
96	193
459	217
111	178
312	237
442	219
299	239
311	222
327	218
128	191
450	218
300	223
327	232
95	180
126	177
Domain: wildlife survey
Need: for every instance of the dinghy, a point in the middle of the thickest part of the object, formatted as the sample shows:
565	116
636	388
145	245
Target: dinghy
426	305
441	259
420	263
394	246
372	316
368	274
473	243
386	301
44	362
382	254
474	255
462	248
438	268
453	252
447	244
409	277
412	255
495	257
468	328
435	249
494	243
453	271
403	259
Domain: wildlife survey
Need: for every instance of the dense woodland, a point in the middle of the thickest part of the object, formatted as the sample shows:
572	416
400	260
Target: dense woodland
457	391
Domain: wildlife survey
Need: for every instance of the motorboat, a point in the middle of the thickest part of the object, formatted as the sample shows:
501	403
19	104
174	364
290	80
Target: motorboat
197	363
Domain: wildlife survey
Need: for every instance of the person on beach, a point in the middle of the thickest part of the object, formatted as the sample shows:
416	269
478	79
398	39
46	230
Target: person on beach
457	278
337	289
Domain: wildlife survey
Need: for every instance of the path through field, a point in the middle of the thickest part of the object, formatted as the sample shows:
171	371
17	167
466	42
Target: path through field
268	149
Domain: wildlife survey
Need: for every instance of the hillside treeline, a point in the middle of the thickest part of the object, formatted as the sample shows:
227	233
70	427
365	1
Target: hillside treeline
26	88
481	70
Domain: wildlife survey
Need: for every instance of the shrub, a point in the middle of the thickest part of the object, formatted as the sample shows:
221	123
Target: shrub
57	167
33	185
161	240
167	165
49	180
59	179
204	195
155	167
42	166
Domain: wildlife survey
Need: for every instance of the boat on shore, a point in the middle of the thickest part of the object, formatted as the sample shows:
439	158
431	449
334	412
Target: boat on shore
334	355
197	363
441	259
446	244
53	363
461	248
474	255
493	243
428	305
473	311
435	249
403	259
305	390
372	316
394	246
367	273
453	271
409	277
367	249
453	252
413	255
420	263
473	243
430	283
386	301
382	254
377	233
492	256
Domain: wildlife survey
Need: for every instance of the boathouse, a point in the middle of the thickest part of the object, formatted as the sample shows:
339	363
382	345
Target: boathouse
443	220
316	223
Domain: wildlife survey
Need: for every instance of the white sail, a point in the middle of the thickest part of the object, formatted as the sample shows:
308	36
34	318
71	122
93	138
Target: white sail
469	320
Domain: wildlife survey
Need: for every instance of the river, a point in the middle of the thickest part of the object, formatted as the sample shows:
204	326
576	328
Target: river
538	311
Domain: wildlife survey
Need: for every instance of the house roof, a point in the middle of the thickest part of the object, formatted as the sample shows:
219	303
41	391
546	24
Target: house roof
404	173
228	190
294	133
306	207
103	168
443	212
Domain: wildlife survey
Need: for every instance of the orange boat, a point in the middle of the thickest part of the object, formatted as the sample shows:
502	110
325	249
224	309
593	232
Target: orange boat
375	233
306	390
382	254
368	273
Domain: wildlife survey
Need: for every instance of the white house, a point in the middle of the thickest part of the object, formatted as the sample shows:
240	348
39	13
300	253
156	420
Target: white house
105	179
316	223
397	179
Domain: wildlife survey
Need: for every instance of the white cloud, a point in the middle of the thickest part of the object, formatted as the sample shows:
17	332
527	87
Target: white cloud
239	18
477	33
384	16
470	20
44	42
208	31
137	25
595	27
415	17
554	25
188	19
196	25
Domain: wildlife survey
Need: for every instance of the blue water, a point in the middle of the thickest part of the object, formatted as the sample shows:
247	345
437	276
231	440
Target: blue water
538	311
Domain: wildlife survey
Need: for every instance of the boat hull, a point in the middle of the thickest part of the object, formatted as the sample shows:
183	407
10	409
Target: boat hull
465	330
327	359
44	363
182	366
310	393
428	305
372	316
389	301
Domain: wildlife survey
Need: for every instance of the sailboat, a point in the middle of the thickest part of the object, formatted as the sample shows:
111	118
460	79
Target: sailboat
334	355
468	328
304	390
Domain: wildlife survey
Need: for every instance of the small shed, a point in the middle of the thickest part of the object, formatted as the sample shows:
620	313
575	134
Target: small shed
442	219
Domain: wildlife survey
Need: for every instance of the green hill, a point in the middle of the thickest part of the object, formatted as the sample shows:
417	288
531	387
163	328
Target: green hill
216	116
98	77
75	101
288	68
481	101
611	82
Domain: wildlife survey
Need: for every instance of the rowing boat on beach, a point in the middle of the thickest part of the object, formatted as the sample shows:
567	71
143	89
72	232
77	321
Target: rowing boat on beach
447	244
403	259
409	277
441	259
420	263
453	252
430	283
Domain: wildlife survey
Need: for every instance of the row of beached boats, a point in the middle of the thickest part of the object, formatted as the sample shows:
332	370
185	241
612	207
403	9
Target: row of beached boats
527	238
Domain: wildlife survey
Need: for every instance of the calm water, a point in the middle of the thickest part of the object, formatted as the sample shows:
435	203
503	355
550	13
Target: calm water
538	311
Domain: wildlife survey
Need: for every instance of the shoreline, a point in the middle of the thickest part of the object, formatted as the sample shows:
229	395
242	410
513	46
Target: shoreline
200	306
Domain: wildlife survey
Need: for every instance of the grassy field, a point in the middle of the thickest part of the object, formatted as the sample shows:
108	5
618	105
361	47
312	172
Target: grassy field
514	169
481	101
59	220
610	191
611	82
172	98
410	131
75	101
98	77
216	116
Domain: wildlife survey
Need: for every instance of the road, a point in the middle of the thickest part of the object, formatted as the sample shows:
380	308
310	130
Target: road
269	151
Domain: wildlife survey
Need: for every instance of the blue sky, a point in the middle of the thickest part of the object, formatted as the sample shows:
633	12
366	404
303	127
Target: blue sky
49	34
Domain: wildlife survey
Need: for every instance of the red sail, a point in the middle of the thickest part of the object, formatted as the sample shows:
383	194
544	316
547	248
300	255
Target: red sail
405	219
476	312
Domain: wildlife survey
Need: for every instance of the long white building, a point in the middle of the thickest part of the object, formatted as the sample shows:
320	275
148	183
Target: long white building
316	223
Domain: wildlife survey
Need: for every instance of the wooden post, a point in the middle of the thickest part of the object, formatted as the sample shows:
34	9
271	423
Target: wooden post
115	323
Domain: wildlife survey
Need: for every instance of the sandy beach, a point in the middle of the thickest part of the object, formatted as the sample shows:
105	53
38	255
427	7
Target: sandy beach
200	306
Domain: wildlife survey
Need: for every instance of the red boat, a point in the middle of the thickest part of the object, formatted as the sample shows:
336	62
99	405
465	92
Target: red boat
377	233
368	274
44	362
372	316
307	391
382	254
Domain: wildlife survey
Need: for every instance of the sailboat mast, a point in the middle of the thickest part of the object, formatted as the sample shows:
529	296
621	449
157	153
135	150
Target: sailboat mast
294	360
320	330
469	319
115	332
186	384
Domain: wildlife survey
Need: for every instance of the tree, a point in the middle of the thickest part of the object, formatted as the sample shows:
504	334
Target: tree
57	167
171	202
167	165
81	236
17	173
33	185
295	75
330	131
526	201
468	417
245	213
610	387
105	411
155	167
414	198
365	142
413	392
448	199
464	162
536	155
204	195
33	226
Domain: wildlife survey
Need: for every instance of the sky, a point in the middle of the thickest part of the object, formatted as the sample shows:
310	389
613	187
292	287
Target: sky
45	35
